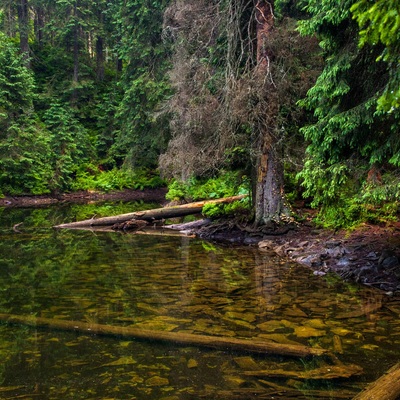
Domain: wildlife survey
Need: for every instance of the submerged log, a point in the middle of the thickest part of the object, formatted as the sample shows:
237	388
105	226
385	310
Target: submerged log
327	372
151	215
218	342
268	394
387	387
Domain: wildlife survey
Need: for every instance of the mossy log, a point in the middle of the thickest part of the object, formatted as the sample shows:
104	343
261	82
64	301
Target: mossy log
387	387
222	343
151	215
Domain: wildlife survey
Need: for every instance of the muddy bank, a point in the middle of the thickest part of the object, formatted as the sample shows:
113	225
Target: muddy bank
151	195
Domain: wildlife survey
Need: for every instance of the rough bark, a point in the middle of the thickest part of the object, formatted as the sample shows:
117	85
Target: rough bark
225	343
269	194
151	215
387	387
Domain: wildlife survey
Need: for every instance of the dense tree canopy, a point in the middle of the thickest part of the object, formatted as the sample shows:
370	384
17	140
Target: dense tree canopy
203	88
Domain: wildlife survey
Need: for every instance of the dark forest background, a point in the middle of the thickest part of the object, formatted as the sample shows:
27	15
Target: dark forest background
111	94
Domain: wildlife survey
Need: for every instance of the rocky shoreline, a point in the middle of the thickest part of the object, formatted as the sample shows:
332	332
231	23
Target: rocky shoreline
369	255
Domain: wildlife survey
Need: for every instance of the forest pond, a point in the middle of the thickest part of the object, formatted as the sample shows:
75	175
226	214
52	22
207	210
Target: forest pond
183	285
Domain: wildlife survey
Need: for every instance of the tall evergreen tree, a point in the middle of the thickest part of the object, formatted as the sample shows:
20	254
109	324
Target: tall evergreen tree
23	22
24	144
353	143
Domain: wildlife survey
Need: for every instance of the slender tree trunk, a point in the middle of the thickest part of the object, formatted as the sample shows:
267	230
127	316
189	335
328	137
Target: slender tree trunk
23	21
100	58
39	24
100	48
269	193
75	75
9	20
118	65
76	46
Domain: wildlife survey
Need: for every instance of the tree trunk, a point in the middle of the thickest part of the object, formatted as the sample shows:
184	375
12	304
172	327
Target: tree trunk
225	343
23	21
39	24
100	58
100	48
269	193
75	77
9	20
151	215
118	65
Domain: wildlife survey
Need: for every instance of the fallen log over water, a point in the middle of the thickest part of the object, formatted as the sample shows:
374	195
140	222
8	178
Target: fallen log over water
151	215
387	387
218	342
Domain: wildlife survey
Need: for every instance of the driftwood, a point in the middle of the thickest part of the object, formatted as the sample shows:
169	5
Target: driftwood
327	372
151	215
387	387
223	343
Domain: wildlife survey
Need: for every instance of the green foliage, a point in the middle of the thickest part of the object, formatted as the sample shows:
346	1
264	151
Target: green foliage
70	145
225	185
235	209
141	137
372	202
350	212
380	25
24	143
24	159
177	191
116	179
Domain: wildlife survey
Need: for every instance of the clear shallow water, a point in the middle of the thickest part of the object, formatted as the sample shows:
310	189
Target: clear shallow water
175	284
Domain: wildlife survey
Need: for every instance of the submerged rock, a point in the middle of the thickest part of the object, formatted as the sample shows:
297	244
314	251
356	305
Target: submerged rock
307	332
388	260
157	381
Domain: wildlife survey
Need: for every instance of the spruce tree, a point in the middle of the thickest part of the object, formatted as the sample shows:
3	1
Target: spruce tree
24	143
352	143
